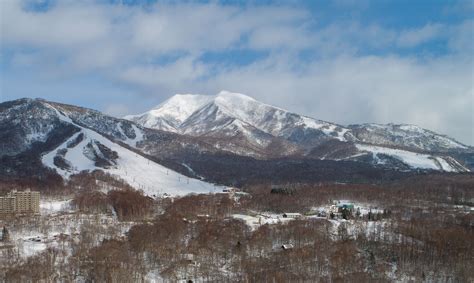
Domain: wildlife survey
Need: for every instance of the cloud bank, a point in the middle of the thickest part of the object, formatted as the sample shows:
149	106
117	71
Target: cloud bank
126	58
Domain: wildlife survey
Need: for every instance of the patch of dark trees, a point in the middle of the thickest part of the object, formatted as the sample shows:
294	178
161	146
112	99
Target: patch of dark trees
28	163
104	157
126	204
75	141
239	170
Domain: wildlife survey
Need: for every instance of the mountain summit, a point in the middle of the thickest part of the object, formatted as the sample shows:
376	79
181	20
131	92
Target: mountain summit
240	124
171	113
248	122
205	114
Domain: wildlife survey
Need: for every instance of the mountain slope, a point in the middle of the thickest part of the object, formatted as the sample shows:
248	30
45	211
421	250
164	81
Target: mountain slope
240	124
408	136
49	140
104	144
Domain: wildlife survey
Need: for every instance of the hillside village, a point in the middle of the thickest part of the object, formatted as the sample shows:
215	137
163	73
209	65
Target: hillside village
236	232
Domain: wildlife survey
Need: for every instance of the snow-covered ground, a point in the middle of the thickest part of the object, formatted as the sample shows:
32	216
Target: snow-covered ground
57	226
361	207
138	136
138	171
53	206
414	160
154	276
256	220
328	128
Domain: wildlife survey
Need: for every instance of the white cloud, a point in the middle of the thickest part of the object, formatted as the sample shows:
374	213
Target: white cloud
436	94
340	82
181	73
117	110
418	36
462	37
68	24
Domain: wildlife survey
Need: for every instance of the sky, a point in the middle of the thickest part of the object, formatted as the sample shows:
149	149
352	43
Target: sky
348	62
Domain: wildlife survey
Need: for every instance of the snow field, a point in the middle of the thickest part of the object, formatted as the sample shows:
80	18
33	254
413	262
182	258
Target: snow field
138	171
414	160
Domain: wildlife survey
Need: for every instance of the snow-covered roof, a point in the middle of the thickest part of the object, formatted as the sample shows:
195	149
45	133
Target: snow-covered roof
292	214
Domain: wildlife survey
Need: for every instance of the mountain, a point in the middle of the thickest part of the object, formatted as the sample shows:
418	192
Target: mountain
227	139
38	137
47	142
240	124
408	136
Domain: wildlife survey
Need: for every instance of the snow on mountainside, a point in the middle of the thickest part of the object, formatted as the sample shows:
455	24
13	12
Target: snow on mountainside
70	139
233	115
192	114
36	135
270	119
20	126
93	150
409	136
412	159
200	115
138	171
241	122
171	113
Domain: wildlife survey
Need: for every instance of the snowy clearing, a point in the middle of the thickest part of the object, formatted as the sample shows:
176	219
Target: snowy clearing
55	206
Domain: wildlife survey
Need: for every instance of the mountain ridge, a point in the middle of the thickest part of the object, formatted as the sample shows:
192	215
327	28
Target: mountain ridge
241	121
93	141
237	107
40	138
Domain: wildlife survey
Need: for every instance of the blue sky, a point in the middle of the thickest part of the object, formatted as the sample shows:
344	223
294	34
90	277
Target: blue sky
342	61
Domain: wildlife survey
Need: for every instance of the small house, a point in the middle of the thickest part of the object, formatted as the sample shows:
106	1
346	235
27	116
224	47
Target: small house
291	215
281	190
333	209
345	206
287	247
321	213
188	257
229	190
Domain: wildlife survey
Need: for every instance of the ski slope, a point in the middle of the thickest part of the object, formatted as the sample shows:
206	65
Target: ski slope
138	171
414	160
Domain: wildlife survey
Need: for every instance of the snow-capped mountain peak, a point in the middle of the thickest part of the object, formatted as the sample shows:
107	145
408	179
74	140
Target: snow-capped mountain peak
201	115
245	108
204	115
241	124
180	106
172	112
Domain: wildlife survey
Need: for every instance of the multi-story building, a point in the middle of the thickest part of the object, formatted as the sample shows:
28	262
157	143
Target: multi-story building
7	205
19	202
